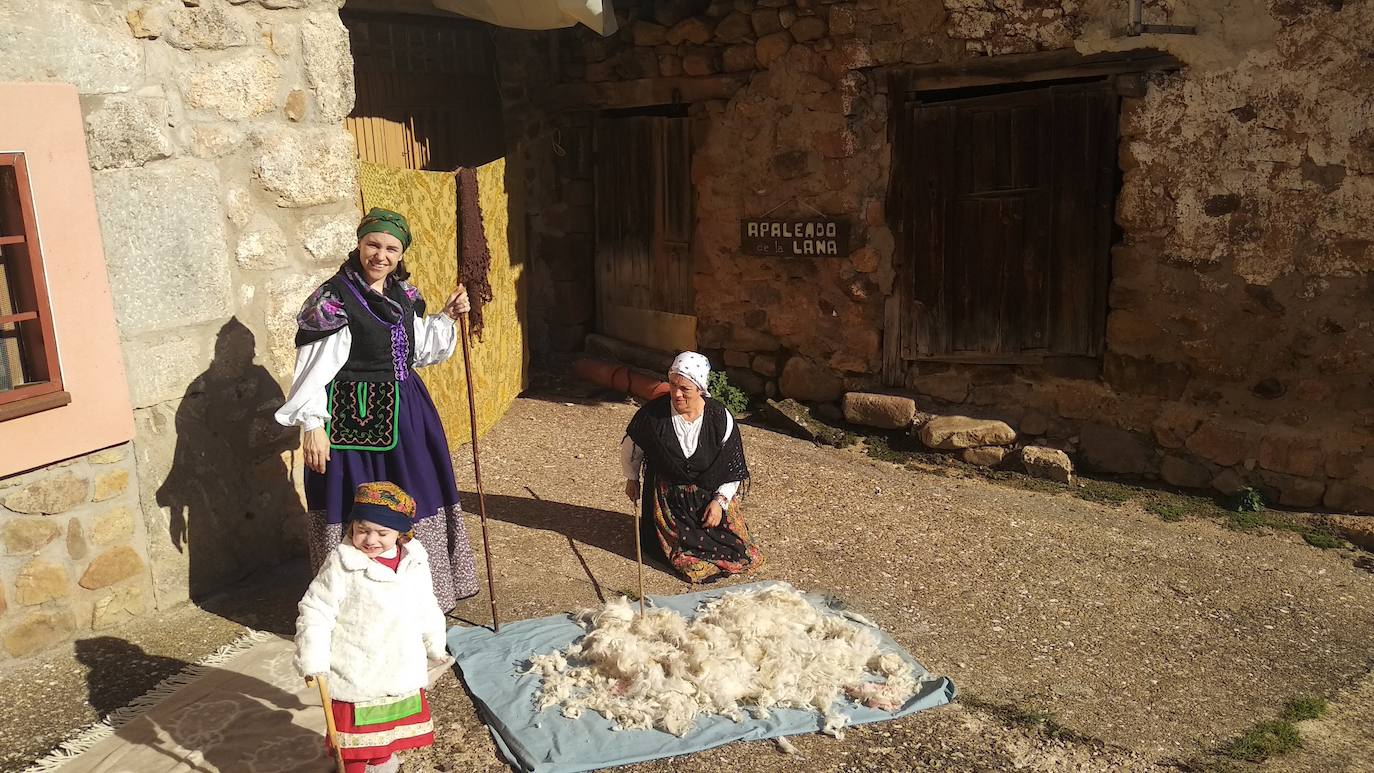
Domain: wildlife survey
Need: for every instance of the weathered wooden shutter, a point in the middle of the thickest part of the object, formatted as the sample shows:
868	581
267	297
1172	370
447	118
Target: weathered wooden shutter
1007	223
644	277
1085	169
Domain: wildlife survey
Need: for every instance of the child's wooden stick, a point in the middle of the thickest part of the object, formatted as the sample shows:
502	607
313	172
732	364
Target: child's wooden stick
332	731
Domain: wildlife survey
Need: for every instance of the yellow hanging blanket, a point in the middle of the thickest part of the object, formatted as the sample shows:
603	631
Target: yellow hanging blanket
500	361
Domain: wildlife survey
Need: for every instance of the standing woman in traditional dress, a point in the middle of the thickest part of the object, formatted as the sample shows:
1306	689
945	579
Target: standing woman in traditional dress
693	461
365	413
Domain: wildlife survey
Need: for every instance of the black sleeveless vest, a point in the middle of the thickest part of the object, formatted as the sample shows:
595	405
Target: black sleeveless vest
383	348
652	430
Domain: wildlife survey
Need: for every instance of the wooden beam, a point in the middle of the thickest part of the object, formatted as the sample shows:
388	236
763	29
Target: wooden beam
23	316
660	330
1029	68
644	92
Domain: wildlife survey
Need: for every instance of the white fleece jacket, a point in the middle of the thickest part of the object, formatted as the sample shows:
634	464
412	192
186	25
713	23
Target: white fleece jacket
369	628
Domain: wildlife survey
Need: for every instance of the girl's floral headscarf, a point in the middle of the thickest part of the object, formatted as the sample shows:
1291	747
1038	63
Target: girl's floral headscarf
384	504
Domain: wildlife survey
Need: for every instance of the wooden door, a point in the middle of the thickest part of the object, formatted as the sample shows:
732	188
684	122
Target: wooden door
1007	218
427	92
644	276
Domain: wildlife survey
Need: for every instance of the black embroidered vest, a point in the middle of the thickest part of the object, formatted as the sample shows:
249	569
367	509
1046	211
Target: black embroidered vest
383	348
708	441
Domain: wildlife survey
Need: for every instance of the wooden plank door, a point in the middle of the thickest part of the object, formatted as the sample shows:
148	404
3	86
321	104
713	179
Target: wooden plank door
427	93
1007	224
644	276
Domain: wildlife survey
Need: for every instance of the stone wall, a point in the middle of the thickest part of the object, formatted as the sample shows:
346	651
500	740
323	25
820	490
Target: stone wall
225	185
1238	306
821	154
72	552
1237	353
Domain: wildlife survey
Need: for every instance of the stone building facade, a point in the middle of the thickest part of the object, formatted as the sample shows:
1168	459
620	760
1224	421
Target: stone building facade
225	186
1236	351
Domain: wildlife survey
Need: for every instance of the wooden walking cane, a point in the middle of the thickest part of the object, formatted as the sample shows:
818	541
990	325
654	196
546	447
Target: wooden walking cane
333	732
477	470
474	263
639	552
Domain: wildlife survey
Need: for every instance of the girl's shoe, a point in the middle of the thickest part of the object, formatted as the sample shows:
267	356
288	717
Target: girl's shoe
392	765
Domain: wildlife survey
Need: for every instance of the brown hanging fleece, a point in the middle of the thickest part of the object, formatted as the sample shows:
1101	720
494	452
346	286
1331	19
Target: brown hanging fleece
474	254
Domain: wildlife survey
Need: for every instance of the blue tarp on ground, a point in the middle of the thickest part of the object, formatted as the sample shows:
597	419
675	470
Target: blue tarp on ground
548	742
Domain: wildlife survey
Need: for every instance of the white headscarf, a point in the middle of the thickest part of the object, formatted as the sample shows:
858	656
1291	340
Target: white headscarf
694	367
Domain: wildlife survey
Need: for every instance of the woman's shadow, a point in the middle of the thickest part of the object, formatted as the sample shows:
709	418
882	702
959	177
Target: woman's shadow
228	476
613	532
607	530
233	721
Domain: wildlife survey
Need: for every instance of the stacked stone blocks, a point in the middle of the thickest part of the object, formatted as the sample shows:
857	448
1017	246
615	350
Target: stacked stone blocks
71	552
1235	353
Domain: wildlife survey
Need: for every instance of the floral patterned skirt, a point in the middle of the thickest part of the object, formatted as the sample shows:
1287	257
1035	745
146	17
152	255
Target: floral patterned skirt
673	524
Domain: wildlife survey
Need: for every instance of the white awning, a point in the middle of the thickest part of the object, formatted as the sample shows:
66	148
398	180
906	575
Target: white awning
536	14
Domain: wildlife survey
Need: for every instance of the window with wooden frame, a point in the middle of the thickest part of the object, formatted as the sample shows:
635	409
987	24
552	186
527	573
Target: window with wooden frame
30	380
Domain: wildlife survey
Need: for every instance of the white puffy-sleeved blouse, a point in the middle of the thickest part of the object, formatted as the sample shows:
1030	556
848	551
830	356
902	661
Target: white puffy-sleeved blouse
318	362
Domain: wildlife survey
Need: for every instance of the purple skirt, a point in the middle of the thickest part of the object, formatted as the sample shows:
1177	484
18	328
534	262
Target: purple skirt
419	464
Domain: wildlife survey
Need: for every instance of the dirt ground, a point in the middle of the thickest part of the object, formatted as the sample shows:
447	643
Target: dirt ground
1081	636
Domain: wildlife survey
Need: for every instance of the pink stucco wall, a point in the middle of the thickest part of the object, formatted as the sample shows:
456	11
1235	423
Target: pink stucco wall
44	122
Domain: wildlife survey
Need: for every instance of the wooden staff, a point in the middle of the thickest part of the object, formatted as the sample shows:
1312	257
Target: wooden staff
639	553
477	471
330	729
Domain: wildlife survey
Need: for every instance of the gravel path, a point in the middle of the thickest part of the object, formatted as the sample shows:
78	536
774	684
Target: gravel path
1160	640
1081	636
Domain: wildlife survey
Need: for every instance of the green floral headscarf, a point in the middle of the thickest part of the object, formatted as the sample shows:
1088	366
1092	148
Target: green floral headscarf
378	220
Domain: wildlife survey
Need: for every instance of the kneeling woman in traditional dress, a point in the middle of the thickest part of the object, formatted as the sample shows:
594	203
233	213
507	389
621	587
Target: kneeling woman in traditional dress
366	414
693	462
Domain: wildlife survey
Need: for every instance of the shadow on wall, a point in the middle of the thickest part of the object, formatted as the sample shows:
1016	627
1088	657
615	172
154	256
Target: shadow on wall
232	502
229	720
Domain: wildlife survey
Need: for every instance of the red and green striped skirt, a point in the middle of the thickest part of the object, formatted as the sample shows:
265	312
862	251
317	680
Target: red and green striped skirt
373	730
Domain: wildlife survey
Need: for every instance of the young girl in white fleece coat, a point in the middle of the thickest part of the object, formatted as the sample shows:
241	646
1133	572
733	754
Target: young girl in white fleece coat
370	622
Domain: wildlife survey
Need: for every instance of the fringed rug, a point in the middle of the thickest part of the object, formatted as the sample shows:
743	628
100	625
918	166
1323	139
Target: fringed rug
242	710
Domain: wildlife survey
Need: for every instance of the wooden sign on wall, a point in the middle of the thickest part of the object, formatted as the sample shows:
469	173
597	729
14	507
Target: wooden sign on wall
819	237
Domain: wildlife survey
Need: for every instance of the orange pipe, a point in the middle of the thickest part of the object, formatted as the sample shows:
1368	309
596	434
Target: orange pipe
620	378
646	388
604	374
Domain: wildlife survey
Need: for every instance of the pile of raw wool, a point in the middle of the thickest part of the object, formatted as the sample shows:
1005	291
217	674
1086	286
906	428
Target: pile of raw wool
755	651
